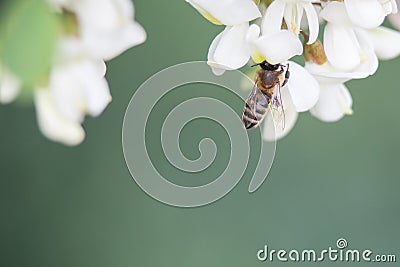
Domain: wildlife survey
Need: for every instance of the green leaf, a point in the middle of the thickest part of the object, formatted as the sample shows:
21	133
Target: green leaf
28	33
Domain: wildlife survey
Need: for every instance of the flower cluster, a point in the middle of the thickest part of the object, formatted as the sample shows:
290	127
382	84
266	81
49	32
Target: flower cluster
277	30
93	31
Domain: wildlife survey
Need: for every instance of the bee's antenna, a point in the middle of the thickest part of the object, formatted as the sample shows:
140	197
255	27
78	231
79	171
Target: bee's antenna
255	65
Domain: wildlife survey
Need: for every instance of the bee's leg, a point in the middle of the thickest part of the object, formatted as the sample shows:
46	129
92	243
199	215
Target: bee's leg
281	69
287	75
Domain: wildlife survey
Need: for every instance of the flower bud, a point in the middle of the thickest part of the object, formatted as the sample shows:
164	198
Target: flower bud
314	52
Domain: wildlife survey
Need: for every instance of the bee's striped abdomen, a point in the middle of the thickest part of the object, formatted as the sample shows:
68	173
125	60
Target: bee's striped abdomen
255	110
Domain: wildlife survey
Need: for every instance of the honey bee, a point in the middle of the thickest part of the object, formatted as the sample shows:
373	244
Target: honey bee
266	94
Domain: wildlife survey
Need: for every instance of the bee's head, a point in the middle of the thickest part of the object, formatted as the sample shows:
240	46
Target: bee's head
267	66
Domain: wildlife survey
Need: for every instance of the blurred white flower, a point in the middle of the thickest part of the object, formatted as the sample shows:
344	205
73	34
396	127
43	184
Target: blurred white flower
299	95
292	11
94	31
76	88
227	12
10	86
106	27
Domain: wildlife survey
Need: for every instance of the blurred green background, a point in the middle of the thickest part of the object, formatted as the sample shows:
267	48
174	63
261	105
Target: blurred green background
79	206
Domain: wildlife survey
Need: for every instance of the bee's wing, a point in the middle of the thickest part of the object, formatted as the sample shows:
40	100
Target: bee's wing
276	107
255	109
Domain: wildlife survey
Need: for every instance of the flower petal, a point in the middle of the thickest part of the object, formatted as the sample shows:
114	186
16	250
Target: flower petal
341	47
386	42
289	15
395	9
334	102
107	45
251	38
365	13
303	88
313	23
97	93
369	63
210	57
335	12
299	15
229	50
272	20
228	12
53	124
217	71
103	15
326	73
369	60
252	34
107	27
280	46
271	132
78	87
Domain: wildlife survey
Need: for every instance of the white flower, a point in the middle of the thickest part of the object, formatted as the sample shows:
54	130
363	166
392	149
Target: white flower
292	11
369	13
10	86
227	12
300	94
232	48
76	87
106	27
346	47
278	45
334	100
